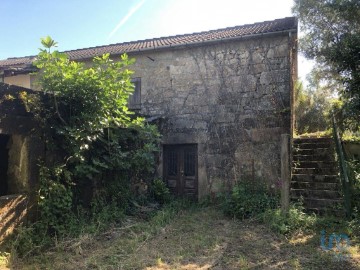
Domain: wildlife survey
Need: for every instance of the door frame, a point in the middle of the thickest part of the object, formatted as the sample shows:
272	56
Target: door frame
180	178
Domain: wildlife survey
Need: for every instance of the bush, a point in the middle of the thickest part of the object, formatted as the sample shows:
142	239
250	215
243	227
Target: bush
354	174
98	149
247	199
354	168
55	200
294	221
160	191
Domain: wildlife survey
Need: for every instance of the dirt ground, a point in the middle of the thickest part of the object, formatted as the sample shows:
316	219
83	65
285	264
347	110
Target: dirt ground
199	238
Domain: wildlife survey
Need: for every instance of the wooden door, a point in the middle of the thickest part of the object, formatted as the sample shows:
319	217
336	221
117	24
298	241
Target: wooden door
180	169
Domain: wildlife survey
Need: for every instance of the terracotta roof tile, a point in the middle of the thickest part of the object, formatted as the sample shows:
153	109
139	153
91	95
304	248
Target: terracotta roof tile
278	25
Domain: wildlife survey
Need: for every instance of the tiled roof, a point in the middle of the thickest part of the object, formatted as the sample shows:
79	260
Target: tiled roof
285	24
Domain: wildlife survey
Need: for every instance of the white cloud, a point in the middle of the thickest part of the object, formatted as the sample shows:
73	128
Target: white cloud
126	18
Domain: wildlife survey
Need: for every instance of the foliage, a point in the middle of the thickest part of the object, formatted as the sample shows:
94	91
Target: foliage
160	191
354	169
30	240
86	101
332	38
55	199
296	220
177	238
349	136
312	109
248	199
97	150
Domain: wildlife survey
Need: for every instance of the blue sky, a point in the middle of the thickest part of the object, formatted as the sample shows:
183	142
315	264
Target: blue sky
78	24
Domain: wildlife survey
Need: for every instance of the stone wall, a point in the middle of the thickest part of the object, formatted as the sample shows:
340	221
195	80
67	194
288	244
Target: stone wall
25	153
25	146
233	99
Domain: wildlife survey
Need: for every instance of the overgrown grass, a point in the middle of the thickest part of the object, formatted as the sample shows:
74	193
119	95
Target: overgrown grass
134	230
183	236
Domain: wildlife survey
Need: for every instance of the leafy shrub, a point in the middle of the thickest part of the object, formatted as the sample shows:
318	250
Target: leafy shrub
294	221
55	199
98	148
354	170
311	109
160	191
248	199
354	223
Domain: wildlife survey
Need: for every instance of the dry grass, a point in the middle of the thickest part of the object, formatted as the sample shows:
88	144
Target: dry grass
195	239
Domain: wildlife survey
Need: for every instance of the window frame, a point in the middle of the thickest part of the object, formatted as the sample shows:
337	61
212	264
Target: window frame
134	101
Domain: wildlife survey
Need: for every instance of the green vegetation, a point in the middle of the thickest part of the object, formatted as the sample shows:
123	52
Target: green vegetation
100	158
160	191
293	222
187	236
354	173
248	199
332	39
255	200
313	106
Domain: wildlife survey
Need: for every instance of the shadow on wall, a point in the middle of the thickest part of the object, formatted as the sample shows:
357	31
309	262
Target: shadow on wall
13	212
4	161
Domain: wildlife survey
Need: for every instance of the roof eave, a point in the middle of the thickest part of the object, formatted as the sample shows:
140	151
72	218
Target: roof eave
28	67
196	44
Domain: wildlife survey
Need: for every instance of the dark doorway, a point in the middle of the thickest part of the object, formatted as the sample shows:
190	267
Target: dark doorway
4	162
180	169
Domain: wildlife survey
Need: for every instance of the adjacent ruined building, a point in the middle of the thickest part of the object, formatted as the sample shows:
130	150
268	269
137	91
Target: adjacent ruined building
221	98
21	147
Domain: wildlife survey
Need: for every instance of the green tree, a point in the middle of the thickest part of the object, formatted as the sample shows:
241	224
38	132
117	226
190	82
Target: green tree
312	107
104	148
332	38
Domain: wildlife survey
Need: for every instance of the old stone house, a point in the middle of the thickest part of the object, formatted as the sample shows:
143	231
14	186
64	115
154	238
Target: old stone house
222	99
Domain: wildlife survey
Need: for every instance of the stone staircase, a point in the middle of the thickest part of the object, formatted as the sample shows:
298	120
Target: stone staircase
315	178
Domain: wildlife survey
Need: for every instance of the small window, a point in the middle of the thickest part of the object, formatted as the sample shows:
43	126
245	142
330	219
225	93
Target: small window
135	97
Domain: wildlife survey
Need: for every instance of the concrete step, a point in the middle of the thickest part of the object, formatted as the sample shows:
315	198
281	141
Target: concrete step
313	145
315	178
315	194
327	211
317	151
315	185
313	140
322	157
315	164
316	171
320	203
